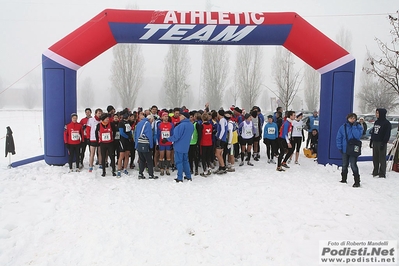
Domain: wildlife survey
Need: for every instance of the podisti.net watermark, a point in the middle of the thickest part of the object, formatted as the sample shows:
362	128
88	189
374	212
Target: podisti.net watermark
358	252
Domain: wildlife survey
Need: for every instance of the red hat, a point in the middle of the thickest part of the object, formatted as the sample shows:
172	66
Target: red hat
164	113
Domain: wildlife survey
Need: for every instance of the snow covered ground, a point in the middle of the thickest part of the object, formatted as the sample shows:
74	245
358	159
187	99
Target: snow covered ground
255	216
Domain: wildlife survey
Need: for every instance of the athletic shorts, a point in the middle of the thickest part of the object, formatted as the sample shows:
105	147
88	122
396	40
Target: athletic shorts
94	144
165	148
256	139
220	144
125	145
244	142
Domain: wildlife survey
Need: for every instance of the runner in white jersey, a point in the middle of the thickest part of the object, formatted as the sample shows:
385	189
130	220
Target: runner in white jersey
94	146
297	135
247	132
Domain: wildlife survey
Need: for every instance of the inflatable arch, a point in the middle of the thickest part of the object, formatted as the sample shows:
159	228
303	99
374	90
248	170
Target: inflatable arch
62	60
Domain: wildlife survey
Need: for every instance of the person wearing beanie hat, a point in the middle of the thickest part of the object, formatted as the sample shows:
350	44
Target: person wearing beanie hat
299	114
105	134
181	143
186	115
73	136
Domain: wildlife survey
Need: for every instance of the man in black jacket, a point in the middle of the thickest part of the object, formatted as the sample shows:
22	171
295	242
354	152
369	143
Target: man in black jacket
379	138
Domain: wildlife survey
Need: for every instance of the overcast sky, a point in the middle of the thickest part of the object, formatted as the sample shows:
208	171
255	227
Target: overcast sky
29	27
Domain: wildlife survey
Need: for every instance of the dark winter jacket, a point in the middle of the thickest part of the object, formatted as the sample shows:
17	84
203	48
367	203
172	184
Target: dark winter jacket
381	131
10	146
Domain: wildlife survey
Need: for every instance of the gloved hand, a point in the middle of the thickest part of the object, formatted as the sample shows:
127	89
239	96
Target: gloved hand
228	146
264	141
164	141
371	144
382	146
67	145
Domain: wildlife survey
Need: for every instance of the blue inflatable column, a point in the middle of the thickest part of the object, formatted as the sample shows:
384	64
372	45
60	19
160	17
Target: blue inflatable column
336	101
59	102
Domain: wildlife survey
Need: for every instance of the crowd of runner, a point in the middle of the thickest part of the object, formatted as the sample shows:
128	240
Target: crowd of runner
219	139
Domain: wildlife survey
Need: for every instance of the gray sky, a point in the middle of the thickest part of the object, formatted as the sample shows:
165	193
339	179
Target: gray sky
29	27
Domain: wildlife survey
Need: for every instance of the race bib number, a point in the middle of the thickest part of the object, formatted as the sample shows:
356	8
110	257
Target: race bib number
248	133
128	128
75	136
106	136
165	134
299	129
117	135
316	122
271	131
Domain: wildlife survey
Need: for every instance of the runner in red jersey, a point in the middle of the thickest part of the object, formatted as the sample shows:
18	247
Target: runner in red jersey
105	134
86	135
73	136
206	145
165	129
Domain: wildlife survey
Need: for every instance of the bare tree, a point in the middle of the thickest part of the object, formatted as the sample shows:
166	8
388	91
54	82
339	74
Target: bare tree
233	93
344	39
176	71
86	95
285	76
386	66
375	93
214	72
127	72
248	74
312	88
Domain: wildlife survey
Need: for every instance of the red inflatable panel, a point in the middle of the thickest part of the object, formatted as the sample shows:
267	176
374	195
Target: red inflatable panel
312	46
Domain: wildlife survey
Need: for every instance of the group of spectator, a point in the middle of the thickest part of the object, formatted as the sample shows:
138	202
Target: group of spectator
354	129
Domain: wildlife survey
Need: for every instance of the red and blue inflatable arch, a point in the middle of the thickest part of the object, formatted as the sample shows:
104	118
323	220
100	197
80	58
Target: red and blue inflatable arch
62	60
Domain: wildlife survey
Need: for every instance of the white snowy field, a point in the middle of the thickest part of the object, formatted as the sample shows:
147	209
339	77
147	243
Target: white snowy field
255	216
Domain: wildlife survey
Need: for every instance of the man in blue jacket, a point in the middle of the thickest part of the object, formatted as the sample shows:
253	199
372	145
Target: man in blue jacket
144	128
380	135
181	143
353	131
